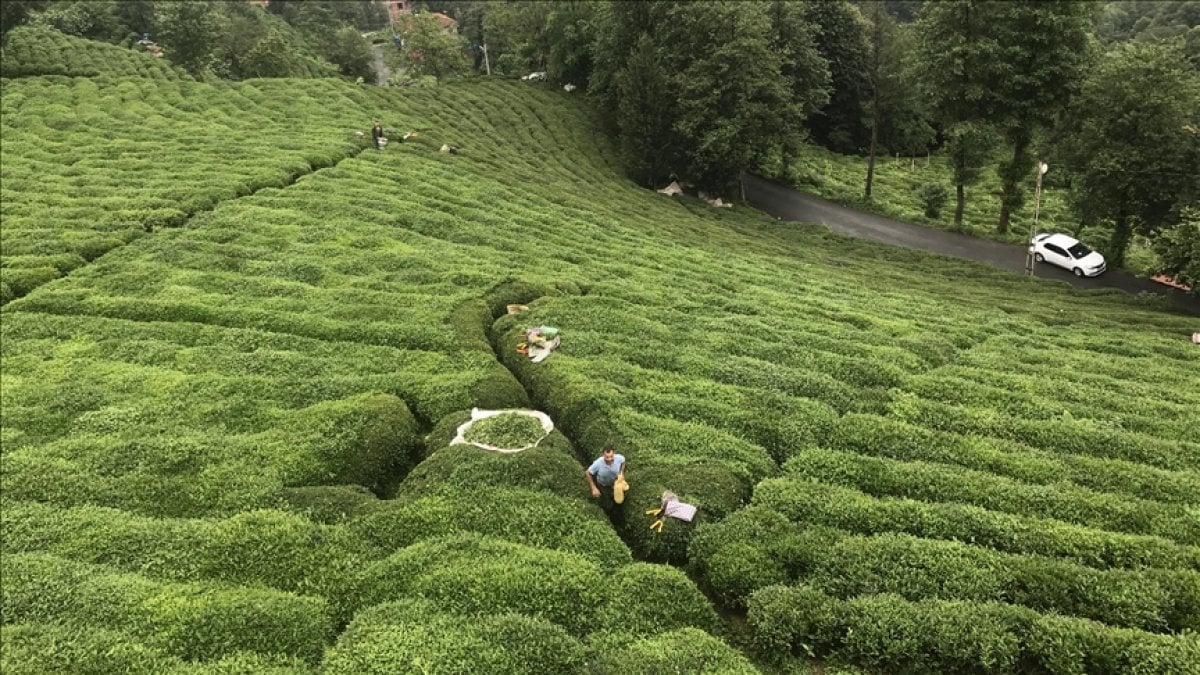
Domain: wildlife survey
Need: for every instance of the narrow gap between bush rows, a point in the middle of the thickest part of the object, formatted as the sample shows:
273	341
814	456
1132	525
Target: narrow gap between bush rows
733	619
183	221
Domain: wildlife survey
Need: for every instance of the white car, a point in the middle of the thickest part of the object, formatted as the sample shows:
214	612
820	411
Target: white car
1068	253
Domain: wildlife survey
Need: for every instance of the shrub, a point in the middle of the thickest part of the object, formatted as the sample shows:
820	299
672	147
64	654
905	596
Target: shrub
329	504
471	574
888	633
713	490
529	517
647	599
550	466
406	636
191	621
751	549
938	482
684	650
808	502
933	197
36	648
369	440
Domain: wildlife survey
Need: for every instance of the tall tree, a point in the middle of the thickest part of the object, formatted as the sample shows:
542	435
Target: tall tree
958	52
734	103
842	40
895	115
13	13
1043	48
189	32
1131	145
803	67
430	51
644	115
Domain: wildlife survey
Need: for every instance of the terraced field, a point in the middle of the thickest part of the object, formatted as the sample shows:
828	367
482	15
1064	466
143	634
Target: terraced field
225	436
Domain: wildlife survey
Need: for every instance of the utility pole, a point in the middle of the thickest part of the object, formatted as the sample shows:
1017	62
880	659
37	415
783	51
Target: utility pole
1042	168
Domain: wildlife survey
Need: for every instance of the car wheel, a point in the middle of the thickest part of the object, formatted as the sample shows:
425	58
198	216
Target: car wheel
1078	272
1038	257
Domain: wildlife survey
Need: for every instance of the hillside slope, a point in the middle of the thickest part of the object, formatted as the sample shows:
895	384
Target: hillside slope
242	418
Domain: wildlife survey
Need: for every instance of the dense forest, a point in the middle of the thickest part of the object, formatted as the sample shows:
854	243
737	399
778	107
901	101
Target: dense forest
1106	93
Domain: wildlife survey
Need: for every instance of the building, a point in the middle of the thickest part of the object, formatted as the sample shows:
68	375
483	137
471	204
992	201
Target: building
398	9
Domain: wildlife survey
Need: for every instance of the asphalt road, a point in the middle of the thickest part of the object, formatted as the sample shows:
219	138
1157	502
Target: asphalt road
790	204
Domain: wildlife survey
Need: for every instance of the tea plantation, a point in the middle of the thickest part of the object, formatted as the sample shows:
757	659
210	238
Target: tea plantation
236	344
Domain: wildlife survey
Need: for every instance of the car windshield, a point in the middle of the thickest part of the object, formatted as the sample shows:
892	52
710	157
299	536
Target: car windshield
1079	250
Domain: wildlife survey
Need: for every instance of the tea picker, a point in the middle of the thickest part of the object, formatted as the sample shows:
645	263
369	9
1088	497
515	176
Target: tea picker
671	507
539	342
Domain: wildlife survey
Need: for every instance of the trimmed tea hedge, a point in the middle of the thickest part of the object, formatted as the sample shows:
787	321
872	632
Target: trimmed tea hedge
402	637
891	634
38	648
191	621
809	502
938	482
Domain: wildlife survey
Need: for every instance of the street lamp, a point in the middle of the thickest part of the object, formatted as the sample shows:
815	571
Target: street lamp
1042	168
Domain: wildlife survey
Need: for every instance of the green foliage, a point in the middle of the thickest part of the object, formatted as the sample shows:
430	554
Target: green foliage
809	502
369	440
715	491
751	549
191	621
196	380
1131	141
429	51
891	634
842	40
686	650
647	599
17	12
530	517
937	482
933	197
412	636
473	575
548	467
189	33
36	50
1178	249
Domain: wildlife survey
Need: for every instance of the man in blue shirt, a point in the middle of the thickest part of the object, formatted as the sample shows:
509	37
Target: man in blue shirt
601	476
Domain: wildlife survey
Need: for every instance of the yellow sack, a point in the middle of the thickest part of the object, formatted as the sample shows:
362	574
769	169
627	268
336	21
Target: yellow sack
619	489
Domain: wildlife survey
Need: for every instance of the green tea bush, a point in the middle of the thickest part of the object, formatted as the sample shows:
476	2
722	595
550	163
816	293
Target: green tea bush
175	374
328	504
532	518
875	435
408	637
36	648
549	467
368	440
941	483
751	549
471	574
647	599
918	569
36	50
892	634
810	502
685	650
191	621
713	490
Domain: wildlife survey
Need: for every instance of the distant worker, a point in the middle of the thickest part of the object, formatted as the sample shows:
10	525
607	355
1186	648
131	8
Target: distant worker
377	135
608	468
